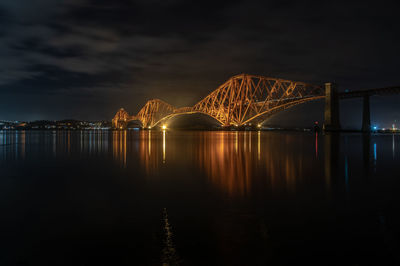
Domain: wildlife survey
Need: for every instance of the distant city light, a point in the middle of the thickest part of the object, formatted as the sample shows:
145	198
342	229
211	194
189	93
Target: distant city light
375	127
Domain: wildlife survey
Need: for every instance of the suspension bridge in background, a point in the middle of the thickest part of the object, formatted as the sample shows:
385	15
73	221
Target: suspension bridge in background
249	99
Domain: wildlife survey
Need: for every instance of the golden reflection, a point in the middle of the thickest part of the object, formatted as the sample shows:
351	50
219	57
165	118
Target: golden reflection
226	169
149	150
276	164
244	142
236	141
119	146
250	141
232	161
149	140
258	145
125	148
163	146
23	136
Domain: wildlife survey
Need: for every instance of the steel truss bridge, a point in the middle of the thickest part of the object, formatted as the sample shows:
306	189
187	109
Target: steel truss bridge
241	100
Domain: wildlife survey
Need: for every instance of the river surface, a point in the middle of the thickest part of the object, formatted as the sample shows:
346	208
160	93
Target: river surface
198	198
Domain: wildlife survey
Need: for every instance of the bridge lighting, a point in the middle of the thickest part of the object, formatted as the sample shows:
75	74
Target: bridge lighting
164	127
263	98
259	125
375	127
149	127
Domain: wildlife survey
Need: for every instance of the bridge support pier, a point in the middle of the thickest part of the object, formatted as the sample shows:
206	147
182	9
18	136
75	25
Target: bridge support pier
366	122
332	121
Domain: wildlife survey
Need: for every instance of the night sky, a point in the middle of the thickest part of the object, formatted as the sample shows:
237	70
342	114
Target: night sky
84	59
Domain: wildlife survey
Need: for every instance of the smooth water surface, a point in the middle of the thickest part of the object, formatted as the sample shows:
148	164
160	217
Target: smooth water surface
198	198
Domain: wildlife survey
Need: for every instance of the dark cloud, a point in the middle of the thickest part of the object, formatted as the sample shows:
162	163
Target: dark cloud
97	55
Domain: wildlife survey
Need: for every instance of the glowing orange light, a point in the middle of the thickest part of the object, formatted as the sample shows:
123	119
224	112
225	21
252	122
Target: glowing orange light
250	97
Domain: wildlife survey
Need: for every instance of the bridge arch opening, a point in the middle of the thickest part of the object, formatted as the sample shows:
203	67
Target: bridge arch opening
195	121
297	115
134	124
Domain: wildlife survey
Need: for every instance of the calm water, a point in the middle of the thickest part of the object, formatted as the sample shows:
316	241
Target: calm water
198	198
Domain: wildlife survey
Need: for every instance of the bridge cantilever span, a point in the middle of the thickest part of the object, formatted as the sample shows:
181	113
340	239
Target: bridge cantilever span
240	100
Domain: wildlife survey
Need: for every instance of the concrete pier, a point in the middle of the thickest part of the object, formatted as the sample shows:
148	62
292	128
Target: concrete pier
366	122
332	121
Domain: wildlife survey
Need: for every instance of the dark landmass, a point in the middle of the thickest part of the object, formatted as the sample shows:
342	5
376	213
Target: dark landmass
175	124
54	125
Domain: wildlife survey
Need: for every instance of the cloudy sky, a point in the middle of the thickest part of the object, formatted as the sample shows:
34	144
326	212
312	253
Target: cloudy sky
84	59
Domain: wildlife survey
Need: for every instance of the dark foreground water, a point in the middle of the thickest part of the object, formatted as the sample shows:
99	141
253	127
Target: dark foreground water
198	198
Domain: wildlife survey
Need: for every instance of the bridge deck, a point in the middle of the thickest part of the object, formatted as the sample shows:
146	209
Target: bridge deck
370	92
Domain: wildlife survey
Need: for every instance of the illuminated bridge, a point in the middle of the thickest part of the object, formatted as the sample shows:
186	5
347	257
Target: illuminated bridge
248	99
241	100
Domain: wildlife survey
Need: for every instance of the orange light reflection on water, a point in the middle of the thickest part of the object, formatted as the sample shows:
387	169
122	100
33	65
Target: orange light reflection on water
232	161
